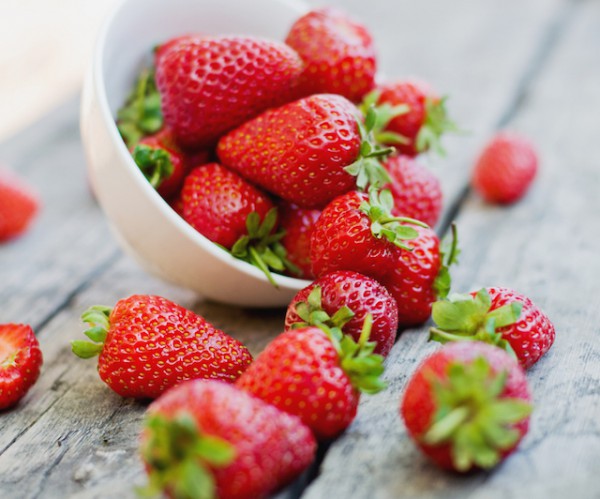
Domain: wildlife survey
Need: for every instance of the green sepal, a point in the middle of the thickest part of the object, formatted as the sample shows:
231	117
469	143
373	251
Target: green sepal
383	113
154	162
449	253
85	349
437	122
312	314
97	317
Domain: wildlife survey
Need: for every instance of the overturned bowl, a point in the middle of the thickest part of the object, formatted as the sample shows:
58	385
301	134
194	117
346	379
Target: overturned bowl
145	225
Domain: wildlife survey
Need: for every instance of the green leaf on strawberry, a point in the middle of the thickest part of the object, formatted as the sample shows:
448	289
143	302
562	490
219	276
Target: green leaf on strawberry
437	122
154	163
312	314
449	253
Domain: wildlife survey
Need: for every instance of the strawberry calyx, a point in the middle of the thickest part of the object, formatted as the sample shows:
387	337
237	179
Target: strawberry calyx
312	314
463	317
154	162
261	246
97	317
384	224
436	123
472	416
385	113
449	253
180	457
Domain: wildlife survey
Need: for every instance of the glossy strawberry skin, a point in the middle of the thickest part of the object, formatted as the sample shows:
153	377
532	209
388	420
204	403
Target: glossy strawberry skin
416	190
217	202
210	85
338	53
298	151
154	344
19	205
505	169
271	446
298	224
363	295
418	403
299	372
20	362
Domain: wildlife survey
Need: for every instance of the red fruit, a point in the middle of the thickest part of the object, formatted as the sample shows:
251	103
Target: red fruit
298	224
505	169
208	439
18	205
307	152
344	299
305	374
499	316
210	85
416	191
147	344
20	362
467	406
338	54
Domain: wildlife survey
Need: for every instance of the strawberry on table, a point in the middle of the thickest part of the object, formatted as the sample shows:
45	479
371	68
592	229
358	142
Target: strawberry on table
467	406
19	205
20	362
147	344
208	439
298	224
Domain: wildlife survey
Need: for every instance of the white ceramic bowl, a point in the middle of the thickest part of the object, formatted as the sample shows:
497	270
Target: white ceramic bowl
146	226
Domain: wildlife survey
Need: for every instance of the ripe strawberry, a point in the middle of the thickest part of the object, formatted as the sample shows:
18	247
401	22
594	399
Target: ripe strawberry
499	316
298	224
338	54
18	205
505	168
20	362
467	406
206	438
210	85
307	152
317	375
147	344
416	191
343	299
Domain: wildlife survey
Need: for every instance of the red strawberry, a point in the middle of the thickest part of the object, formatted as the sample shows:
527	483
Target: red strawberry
20	362
18	205
416	191
148	344
210	85
298	224
205	438
343	299
495	315
307	152
505	168
338	54
467	406
316	375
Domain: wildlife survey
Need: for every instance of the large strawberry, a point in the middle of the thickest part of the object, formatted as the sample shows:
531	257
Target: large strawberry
467	406
338	54
298	224
343	299
316	374
499	316
308	151
20	362
210	85
19	205
207	439
147	344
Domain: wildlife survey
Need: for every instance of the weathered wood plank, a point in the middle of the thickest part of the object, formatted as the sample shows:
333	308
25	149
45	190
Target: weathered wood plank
545	247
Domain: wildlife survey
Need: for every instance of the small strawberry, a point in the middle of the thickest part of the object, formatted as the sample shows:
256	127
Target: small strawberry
499	316
308	151
19	205
316	374
505	169
20	362
343	299
147	344
208	439
210	85
467	406
338	54
298	224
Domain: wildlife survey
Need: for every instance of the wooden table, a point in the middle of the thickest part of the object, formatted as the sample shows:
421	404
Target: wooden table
531	66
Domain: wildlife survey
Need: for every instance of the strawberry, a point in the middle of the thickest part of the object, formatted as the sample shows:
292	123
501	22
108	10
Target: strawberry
338	54
343	299
147	344
208	439
467	406
416	191
308	151
505	169
298	224
499	316
19	205
210	85
20	362
316	374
